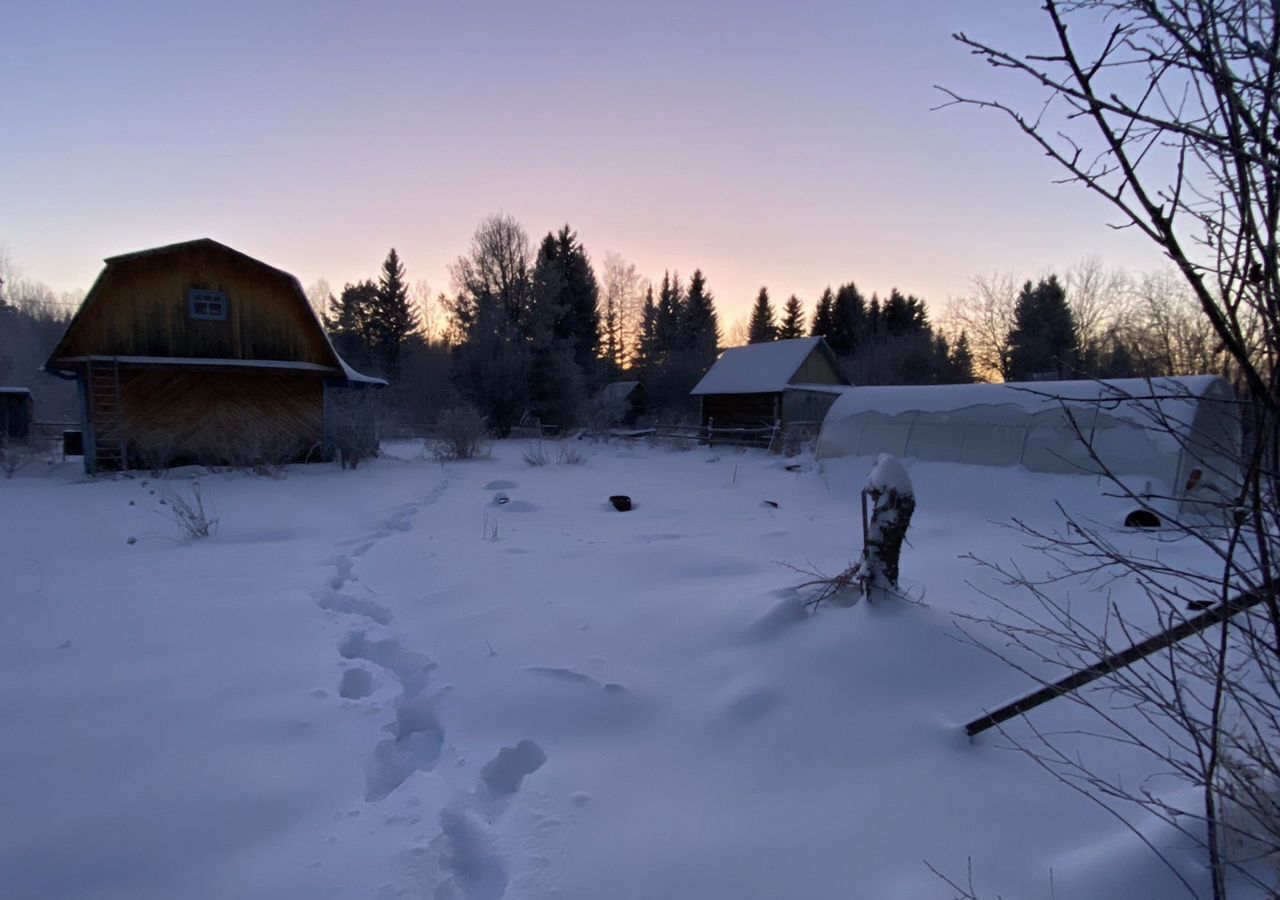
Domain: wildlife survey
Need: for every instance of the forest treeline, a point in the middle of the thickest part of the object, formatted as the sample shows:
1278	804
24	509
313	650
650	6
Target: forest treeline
533	332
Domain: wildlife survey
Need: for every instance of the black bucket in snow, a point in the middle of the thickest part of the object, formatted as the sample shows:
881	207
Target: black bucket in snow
1142	518
621	502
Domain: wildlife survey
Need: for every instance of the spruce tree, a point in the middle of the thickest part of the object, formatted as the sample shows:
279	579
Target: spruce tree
556	392
763	326
1043	342
581	297
824	316
792	320
667	323
903	315
611	337
394	321
848	320
701	329
647	337
961	361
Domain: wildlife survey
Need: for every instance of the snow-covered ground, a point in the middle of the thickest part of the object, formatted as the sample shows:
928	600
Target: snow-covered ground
479	680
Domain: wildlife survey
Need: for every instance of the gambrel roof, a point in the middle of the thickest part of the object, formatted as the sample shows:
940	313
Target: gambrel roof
75	349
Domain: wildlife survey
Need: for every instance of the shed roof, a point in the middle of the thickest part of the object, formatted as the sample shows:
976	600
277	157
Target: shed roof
15	392
764	368
618	390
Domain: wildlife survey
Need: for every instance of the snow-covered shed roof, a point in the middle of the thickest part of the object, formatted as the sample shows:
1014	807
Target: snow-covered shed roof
15	391
765	368
618	391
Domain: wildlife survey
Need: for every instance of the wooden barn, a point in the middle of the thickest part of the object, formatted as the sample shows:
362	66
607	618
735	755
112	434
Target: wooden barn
788	383
197	353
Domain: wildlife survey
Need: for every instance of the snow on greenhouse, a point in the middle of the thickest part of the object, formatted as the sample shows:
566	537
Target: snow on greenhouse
1175	437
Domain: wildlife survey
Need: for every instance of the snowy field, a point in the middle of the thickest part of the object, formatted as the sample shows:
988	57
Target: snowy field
386	683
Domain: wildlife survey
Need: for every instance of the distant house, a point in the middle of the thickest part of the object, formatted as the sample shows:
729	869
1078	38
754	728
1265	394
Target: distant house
625	401
15	413
197	353
788	383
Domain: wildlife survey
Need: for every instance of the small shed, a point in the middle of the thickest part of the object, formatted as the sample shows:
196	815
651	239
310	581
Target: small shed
788	383
198	353
624	402
16	413
1180	435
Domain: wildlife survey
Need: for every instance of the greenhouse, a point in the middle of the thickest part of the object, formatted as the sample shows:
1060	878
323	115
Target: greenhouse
1175	438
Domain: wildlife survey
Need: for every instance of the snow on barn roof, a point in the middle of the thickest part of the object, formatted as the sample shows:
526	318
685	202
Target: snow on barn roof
765	368
288	364
358	377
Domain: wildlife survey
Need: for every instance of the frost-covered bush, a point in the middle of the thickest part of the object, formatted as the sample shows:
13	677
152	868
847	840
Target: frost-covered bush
353	424
13	456
461	435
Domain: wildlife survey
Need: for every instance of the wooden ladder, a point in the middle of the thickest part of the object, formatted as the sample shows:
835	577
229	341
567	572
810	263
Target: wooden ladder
106	413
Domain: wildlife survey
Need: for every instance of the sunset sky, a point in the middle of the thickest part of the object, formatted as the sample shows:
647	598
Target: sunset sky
782	144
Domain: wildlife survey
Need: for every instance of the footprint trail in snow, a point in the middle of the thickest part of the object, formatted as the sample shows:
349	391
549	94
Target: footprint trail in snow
415	736
462	861
468	862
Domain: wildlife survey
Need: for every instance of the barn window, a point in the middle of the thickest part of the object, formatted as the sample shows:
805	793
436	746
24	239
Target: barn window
207	304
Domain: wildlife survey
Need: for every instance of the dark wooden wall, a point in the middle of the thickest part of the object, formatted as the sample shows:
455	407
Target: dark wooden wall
220	417
740	410
138	307
15	415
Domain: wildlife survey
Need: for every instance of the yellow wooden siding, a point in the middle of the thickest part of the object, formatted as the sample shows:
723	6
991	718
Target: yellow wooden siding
138	307
816	369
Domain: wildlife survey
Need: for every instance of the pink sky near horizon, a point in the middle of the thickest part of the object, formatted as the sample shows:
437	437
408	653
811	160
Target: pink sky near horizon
791	146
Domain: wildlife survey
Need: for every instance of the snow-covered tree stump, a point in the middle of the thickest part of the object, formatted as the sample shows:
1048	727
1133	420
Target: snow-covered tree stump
893	501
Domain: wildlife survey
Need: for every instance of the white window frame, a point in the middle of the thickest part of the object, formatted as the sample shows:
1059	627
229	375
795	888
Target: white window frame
207	305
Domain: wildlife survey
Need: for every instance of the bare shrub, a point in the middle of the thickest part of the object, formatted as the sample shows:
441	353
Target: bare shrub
534	455
189	514
568	455
795	439
267	452
261	449
461	436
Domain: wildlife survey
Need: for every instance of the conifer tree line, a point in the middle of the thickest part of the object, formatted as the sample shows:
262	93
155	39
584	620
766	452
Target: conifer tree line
533	334
889	341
